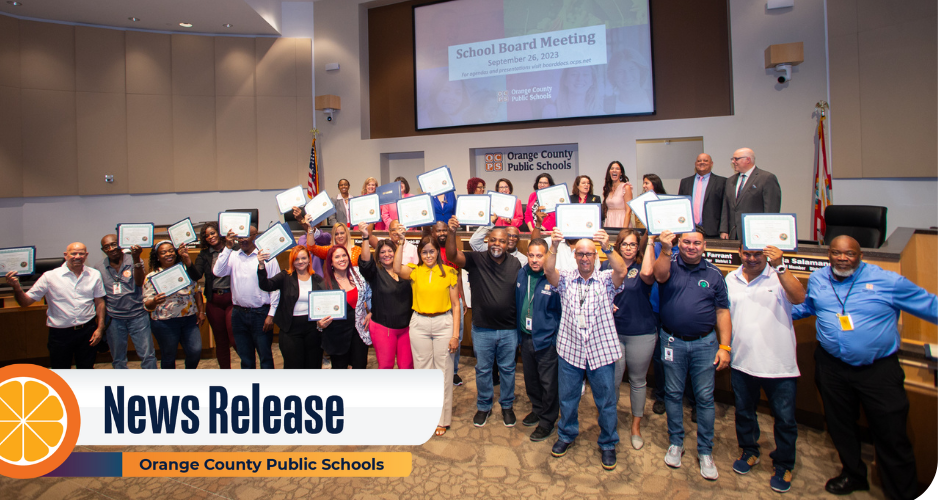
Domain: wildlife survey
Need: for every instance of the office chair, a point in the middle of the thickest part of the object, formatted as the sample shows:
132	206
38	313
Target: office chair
866	224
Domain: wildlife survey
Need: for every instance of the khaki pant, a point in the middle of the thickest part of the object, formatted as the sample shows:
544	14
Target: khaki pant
429	343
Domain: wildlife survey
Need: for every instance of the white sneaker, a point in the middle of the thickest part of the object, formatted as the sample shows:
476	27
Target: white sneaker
673	457
707	468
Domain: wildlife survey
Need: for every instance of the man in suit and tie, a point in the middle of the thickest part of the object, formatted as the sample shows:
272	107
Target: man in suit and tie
706	190
751	191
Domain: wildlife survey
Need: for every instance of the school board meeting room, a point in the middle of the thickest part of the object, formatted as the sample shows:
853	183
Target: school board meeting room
644	248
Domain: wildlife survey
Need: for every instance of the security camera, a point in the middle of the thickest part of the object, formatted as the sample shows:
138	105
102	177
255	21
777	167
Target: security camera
329	118
328	112
787	69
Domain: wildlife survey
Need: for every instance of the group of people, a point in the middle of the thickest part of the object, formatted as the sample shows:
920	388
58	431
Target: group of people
573	319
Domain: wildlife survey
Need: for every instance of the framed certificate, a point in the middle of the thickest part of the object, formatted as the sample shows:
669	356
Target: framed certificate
437	181
578	220
503	205
275	240
473	209
170	281
674	214
638	205
388	194
320	207
239	222
293	197
182	232
549	197
324	303
416	211
19	259
129	235
364	209
777	230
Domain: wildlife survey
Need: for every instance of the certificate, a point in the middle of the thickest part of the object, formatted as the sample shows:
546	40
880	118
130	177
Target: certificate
437	181
549	197
578	220
503	205
638	205
473	209
239	222
171	280
416	211
324	303
182	232
675	215
388	194
777	230
19	259
275	240
320	207
129	235
364	209
293	197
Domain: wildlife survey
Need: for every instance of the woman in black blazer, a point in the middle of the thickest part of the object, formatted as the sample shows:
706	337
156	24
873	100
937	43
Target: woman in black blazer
300	340
583	191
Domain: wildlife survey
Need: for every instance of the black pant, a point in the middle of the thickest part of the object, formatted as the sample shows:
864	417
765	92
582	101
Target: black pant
356	357
540	381
879	389
68	343
301	345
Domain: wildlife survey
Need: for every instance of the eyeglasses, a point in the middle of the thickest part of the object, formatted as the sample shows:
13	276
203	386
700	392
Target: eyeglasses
583	255
630	245
738	158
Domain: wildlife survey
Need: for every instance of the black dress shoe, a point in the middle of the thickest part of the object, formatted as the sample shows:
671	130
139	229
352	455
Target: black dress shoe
658	407
530	420
560	448
541	433
844	485
609	459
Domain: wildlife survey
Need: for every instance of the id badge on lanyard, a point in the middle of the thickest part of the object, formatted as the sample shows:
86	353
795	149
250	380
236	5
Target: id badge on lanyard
846	322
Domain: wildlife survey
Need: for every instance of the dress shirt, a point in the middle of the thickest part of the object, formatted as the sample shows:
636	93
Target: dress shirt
597	345
409	252
763	338
477	243
873	303
70	298
700	182
243	271
741	181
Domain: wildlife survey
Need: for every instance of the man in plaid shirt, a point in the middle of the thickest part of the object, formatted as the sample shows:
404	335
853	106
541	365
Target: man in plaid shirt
587	343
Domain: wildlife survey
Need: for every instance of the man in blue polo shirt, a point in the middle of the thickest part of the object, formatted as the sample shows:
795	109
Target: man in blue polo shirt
538	320
857	364
693	301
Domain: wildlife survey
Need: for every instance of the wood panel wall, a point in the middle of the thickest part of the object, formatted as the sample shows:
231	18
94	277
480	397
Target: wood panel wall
159	112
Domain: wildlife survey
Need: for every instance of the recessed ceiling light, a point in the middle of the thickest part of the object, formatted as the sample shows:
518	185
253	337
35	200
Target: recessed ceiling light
186	25
227	25
14	3
134	19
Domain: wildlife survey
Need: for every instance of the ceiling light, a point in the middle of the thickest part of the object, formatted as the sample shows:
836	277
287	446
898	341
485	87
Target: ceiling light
134	19
14	3
227	25
186	25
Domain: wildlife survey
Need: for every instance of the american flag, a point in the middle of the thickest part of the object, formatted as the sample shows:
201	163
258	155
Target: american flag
312	184
823	197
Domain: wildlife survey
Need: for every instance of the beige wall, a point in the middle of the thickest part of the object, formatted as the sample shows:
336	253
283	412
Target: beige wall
159	112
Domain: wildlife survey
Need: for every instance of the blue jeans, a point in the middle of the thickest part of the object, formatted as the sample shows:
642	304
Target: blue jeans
174	331
247	326
694	358
491	346
781	394
139	330
602	383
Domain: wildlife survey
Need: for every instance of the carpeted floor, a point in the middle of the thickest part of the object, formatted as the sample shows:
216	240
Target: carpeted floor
494	461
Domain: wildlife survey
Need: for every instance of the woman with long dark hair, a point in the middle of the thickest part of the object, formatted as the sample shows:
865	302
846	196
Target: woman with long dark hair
617	192
550	220
651	182
174	318
392	301
346	340
217	292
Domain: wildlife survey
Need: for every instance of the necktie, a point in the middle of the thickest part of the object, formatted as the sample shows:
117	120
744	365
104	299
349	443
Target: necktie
698	200
739	186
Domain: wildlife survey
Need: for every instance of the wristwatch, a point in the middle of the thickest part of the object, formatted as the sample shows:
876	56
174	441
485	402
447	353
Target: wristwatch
781	269
606	251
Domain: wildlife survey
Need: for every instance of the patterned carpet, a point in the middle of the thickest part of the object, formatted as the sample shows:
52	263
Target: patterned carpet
493	461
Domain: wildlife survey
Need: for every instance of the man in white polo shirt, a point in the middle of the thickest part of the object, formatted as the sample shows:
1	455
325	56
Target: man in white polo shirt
75	297
763	356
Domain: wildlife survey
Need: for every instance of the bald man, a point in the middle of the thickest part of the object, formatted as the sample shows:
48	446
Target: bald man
857	306
706	190
751	191
74	294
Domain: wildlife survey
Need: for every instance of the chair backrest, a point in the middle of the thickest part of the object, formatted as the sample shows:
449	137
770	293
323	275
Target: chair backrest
866	224
291	221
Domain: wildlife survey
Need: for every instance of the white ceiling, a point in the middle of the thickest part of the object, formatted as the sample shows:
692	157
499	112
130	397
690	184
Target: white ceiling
247	17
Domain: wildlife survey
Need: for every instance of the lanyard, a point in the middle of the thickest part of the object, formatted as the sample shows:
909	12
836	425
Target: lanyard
580	293
843	303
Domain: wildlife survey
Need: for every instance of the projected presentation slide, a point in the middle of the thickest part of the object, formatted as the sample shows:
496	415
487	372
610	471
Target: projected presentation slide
495	61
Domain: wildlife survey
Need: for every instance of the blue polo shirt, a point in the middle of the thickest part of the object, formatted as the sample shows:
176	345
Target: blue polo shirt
545	306
873	303
635	315
690	298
